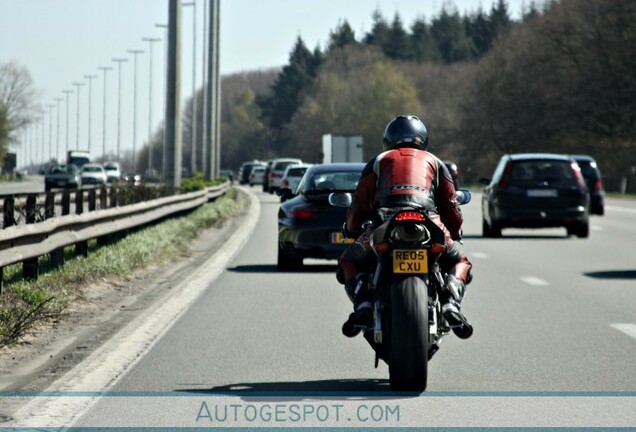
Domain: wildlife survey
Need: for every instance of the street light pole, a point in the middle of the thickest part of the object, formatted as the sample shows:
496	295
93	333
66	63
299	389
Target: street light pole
119	61
105	69
135	53
67	92
193	119
150	42
50	107
77	142
57	138
90	85
164	83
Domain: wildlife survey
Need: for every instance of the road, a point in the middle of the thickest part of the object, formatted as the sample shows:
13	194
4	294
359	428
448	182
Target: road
551	314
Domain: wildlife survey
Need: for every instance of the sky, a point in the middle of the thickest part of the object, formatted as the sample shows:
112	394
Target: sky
61	42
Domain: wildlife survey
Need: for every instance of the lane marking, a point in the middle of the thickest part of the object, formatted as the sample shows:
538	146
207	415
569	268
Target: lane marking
628	329
479	255
534	281
622	209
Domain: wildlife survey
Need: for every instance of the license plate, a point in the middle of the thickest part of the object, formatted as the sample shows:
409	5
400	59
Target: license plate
338	238
542	193
410	261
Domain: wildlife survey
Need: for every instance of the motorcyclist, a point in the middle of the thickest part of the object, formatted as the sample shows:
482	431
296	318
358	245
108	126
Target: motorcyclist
405	174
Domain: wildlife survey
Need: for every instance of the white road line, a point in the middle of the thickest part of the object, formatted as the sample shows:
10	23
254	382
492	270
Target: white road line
597	228
534	281
622	209
479	255
628	329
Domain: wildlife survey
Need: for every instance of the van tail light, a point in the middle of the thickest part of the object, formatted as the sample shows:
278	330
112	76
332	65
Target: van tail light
503	184
598	185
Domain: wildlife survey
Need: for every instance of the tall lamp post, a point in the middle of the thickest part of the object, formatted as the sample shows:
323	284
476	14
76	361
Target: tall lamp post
150	42
67	92
119	61
77	141
193	119
134	53
50	107
90	87
165	69
57	134
105	69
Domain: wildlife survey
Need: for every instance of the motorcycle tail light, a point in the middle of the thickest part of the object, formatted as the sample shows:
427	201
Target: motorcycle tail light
410	216
381	247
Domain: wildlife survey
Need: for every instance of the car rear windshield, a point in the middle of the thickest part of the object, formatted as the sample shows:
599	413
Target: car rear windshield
296	172
330	181
280	166
533	171
589	170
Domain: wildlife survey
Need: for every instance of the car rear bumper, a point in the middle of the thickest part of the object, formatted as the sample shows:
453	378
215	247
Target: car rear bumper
310	243
539	218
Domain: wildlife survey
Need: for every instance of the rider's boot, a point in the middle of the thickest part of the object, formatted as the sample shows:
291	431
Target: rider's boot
452	296
362	316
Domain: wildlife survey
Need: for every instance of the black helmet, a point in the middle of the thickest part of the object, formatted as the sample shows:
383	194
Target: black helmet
405	131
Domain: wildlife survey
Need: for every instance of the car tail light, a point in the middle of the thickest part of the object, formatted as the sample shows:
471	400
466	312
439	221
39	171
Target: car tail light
410	216
579	176
303	214
503	184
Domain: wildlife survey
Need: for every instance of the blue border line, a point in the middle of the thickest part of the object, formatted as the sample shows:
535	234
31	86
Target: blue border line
312	394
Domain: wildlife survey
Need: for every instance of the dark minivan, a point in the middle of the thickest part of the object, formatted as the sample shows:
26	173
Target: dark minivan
594	181
535	190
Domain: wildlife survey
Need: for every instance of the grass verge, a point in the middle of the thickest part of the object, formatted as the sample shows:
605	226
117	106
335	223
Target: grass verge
25	304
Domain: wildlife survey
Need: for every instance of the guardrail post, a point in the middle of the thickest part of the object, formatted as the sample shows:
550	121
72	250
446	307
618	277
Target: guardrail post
79	201
9	211
30	267
92	200
49	205
103	195
66	203
113	196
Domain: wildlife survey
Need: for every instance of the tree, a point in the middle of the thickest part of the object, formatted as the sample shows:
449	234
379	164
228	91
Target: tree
423	47
357	91
397	46
279	107
18	96
341	36
4	132
449	34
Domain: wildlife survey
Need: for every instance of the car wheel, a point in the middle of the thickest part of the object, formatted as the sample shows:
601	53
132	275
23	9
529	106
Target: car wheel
491	231
287	262
581	230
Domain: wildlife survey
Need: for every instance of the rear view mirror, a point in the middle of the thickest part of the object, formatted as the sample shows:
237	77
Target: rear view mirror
463	196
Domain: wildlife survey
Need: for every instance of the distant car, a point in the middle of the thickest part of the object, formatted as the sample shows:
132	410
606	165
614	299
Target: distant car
454	172
291	178
246	169
93	174
62	176
257	175
594	181
268	168
308	227
277	171
132	178
113	173
535	190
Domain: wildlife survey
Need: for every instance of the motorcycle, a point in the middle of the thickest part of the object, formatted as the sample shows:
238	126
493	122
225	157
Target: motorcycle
406	283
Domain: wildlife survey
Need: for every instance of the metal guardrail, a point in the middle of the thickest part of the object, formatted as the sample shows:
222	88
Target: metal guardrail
28	242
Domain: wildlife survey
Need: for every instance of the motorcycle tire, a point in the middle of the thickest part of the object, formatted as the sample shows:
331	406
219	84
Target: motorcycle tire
408	367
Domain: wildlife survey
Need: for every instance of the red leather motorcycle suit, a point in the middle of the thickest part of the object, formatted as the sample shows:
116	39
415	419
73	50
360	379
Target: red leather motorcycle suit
406	177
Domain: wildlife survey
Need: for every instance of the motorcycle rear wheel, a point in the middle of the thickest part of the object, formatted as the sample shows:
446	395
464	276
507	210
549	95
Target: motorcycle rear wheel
408	367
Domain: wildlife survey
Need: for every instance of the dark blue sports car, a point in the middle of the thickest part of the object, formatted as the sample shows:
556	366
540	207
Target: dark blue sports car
308	227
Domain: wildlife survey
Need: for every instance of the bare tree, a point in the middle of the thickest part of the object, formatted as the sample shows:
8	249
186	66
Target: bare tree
18	96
